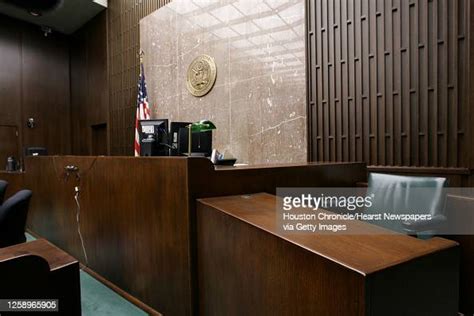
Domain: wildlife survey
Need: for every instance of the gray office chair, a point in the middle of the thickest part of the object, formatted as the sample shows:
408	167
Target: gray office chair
3	190
13	215
395	194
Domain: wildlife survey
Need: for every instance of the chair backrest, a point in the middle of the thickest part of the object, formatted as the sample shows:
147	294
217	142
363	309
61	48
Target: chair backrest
405	194
13	215
25	276
3	190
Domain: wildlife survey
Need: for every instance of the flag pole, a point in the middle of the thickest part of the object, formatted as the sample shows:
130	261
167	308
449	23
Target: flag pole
142	106
141	54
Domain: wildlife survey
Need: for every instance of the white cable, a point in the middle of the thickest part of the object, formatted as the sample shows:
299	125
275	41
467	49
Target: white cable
78	214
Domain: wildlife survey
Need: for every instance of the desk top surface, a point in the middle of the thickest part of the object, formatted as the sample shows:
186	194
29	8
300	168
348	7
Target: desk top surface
55	257
365	254
283	165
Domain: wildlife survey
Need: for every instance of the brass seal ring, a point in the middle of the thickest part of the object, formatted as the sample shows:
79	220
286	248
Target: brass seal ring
201	77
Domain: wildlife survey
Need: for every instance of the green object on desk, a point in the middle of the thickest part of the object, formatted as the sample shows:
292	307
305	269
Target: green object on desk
199	127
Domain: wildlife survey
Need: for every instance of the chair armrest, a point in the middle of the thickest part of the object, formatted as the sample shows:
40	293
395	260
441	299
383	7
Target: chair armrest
414	227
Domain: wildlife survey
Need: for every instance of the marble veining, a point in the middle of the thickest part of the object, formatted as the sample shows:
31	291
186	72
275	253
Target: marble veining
258	102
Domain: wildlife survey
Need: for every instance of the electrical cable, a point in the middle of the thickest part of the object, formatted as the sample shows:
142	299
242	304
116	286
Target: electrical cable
77	189
78	220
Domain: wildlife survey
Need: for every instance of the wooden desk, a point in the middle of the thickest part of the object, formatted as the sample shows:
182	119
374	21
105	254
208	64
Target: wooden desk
462	207
138	215
53	274
55	257
247	267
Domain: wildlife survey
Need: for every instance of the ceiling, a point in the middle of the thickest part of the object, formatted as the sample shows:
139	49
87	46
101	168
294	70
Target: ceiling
272	31
65	16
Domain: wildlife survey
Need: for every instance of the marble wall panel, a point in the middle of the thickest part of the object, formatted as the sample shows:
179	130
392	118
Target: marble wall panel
259	100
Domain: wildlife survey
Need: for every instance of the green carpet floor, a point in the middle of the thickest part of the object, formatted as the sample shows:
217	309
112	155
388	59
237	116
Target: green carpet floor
99	300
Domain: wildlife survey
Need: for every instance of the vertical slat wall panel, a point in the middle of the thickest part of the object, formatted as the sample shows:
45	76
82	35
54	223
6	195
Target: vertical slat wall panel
463	80
124	45
311	50
469	85
389	82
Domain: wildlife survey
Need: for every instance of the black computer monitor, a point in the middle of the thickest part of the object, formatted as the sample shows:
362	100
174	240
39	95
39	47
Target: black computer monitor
174	137
154	137
201	142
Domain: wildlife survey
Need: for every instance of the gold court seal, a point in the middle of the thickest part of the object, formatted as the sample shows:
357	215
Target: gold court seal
202	73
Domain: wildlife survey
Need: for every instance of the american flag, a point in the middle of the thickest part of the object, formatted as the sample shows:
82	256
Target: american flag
143	111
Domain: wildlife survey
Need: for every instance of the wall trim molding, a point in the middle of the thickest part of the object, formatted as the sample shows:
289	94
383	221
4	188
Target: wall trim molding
420	170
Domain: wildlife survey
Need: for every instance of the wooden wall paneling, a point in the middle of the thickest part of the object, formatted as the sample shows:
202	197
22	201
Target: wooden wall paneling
379	64
433	74
10	90
332	94
396	95
89	86
423	82
123	40
469	112
338	71
34	77
118	29
15	182
79	105
10	72
310	92
443	81
454	74
388	85
359	93
342	70
326	81
348	52
388	82
463	82
321	76
366	76
97	62
10	144
373	100
45	89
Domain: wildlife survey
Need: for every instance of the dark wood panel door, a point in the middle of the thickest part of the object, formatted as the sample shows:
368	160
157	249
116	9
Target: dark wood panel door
9	144
99	139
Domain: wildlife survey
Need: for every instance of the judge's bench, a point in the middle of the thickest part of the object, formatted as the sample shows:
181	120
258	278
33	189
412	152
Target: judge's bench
144	233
